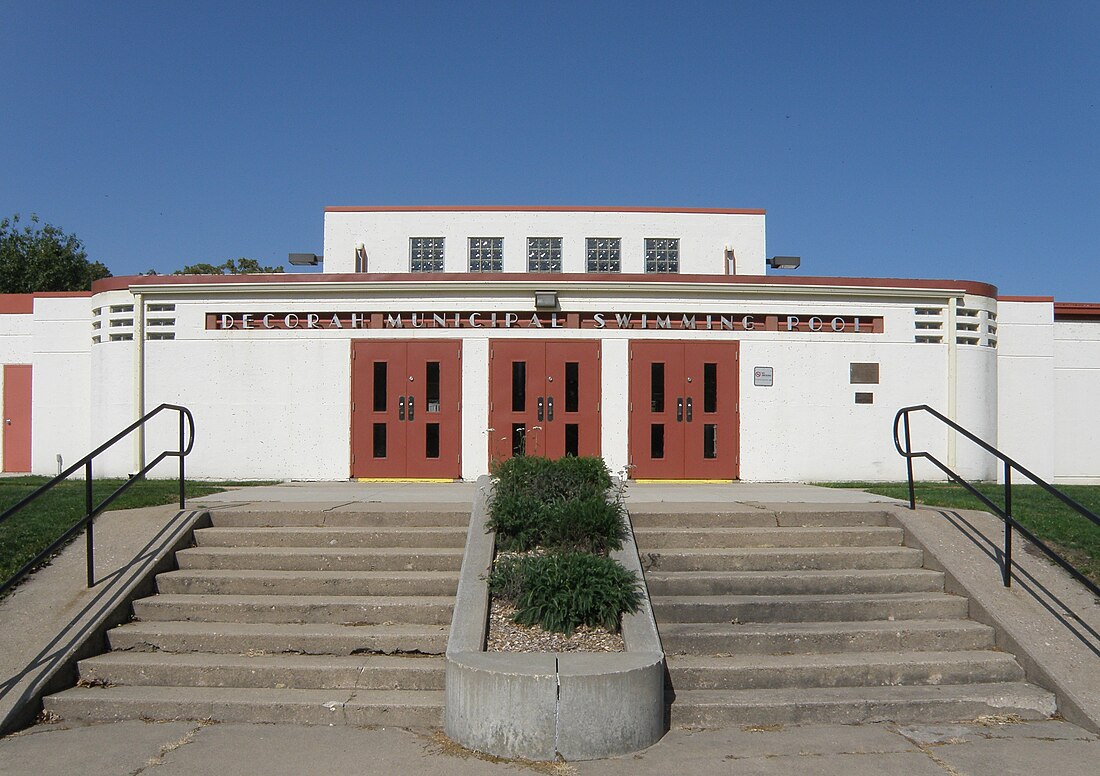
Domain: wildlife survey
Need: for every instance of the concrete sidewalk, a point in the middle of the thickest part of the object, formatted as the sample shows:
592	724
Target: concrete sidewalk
988	748
32	617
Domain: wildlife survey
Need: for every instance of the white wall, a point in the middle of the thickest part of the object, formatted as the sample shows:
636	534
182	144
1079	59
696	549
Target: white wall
1026	403
1076	393
703	238
61	387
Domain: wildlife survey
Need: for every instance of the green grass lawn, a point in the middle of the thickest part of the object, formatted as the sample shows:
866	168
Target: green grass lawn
33	529
1073	536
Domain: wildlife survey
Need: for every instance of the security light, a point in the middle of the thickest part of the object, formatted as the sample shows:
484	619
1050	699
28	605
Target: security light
784	262
305	259
546	300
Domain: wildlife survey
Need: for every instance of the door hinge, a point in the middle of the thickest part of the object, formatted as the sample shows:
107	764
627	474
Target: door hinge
353	457
353	406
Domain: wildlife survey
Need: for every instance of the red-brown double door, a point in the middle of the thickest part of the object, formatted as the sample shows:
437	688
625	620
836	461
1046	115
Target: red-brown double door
544	398
406	409
683	410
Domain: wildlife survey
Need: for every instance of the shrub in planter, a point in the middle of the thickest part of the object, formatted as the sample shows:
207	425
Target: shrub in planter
555	504
560	591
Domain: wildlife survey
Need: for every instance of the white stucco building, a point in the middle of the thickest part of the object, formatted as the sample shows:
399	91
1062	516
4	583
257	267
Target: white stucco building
436	340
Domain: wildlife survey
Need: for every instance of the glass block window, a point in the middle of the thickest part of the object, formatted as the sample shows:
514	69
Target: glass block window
426	254
486	254
662	254
603	254
544	254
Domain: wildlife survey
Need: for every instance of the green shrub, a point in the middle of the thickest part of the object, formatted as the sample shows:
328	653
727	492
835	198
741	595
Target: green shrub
587	524
560	591
559	504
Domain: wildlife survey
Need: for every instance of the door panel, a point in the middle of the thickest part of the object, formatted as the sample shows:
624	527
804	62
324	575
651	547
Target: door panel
683	414
17	417
544	398
406	409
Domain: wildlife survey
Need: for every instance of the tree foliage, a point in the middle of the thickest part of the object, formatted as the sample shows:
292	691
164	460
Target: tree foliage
241	266
41	257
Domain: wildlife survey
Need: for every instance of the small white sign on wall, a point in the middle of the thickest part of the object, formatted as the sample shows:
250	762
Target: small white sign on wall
762	375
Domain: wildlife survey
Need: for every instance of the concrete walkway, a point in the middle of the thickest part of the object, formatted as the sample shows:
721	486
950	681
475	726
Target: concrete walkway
54	598
167	749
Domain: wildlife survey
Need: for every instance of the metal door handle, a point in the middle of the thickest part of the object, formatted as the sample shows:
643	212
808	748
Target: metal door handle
689	410
411	408
550	408
540	410
679	410
401	408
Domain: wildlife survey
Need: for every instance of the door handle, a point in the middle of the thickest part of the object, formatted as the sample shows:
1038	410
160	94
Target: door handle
550	408
411	409
679	410
401	408
688	409
540	410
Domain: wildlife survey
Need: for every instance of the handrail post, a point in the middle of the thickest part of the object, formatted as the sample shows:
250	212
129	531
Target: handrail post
90	548
1007	573
909	463
182	480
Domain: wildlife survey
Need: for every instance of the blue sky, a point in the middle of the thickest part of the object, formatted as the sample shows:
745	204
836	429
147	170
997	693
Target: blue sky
885	139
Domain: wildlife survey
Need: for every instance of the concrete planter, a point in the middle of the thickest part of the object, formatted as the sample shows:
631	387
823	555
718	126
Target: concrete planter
541	706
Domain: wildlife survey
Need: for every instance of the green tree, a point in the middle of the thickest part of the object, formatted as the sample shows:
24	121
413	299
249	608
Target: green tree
241	266
42	257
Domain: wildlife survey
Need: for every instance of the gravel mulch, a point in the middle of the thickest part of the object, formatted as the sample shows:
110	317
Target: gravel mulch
506	636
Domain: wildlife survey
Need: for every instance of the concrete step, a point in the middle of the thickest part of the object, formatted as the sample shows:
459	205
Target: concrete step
326	583
399	708
276	638
830	581
402	518
196	669
855	705
792	558
858	669
725	639
349	609
650	539
334	538
761	518
311	559
808	608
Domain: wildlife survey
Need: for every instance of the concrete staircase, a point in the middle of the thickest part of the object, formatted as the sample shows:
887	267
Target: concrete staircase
329	618
795	616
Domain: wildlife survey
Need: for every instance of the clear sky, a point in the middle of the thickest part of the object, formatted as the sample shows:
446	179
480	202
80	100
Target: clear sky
885	139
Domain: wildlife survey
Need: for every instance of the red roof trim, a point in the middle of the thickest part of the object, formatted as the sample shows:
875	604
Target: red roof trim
23	304
535	209
1080	311
16	304
122	283
1046	299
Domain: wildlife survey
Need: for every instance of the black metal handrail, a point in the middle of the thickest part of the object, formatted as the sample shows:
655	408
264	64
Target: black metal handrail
90	511
1005	514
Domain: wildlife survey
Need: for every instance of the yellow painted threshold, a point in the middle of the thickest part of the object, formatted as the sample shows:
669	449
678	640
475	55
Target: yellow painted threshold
683	482
406	479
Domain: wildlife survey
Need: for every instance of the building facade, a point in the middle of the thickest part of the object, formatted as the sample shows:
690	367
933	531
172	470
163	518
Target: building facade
438	340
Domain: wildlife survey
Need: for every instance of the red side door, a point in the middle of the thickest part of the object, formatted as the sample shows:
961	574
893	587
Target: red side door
17	417
406	407
684	410
544	398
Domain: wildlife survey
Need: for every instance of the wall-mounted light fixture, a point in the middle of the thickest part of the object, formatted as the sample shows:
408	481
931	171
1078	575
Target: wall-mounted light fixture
305	259
546	300
360	258
730	259
784	262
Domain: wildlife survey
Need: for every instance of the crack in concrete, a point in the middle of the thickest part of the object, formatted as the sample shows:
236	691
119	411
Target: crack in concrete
170	747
